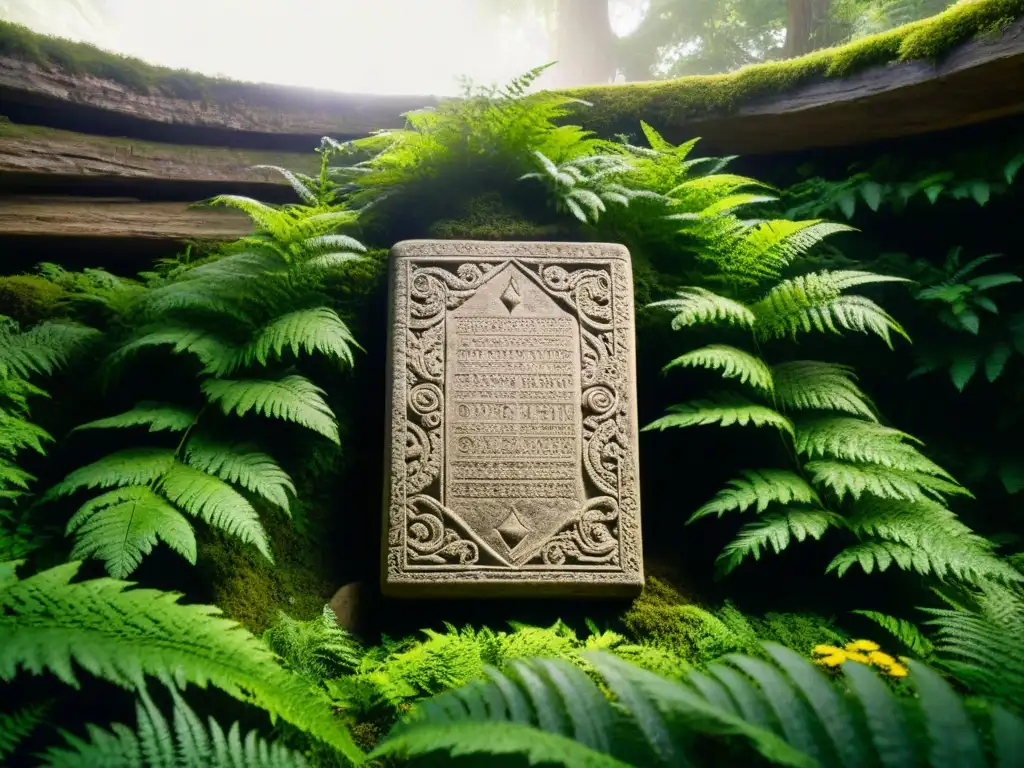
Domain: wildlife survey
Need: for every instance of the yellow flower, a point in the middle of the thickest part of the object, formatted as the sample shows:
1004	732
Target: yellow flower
827	650
898	670
880	659
861	657
862	645
832	661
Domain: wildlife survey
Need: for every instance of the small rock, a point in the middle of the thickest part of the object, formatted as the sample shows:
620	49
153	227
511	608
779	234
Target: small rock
345	605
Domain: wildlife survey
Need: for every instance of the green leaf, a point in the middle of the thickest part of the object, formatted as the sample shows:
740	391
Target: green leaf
243	465
872	193
980	191
319	329
968	320
962	370
933	191
694	305
996	361
158	417
725	410
903	630
847	203
135	466
759	488
494	738
1011	168
812	385
733	362
775	530
121	526
216	502
50	624
954	742
291	398
985	282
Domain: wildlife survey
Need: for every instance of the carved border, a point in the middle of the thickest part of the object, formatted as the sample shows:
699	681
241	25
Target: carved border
627	579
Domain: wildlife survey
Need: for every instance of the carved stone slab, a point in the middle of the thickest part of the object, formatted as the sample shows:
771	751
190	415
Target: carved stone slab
512	465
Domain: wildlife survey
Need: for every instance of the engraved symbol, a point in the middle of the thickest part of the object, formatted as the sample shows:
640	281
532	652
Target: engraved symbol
512	530
511	298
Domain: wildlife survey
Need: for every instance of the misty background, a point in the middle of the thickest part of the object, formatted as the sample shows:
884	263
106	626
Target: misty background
424	46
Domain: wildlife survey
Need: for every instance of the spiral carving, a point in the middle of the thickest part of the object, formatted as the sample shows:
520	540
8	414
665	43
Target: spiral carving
425	401
599	400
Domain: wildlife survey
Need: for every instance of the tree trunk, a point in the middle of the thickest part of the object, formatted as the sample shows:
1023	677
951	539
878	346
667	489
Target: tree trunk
584	44
806	22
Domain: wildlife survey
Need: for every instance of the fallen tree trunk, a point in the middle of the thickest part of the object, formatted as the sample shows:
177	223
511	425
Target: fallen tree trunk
117	217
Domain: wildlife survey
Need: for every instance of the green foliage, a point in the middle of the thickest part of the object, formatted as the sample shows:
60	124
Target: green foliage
247	316
912	638
18	726
317	649
782	710
49	624
182	743
849	472
983	646
26	354
960	302
662	619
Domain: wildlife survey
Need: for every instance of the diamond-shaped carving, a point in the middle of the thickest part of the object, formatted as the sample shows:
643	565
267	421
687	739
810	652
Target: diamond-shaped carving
511	298
512	530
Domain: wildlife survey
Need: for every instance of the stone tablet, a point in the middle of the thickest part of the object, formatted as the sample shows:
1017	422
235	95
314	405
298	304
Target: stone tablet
512	464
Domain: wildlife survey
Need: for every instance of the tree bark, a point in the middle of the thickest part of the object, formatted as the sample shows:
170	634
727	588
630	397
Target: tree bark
806	21
584	44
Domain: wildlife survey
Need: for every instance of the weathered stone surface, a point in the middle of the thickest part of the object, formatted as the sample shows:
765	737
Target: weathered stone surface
512	466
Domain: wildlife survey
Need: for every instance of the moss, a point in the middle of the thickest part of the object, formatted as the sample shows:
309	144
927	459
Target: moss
662	618
488	218
29	298
618	107
251	590
84	59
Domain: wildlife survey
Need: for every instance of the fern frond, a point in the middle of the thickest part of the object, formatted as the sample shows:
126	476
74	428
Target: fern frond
759	488
904	631
811	385
725	410
983	649
216	354
854	480
693	305
121	526
291	398
155	745
309	330
48	623
815	302
134	466
41	349
211	499
932	543
302	184
243	465
159	417
317	649
775	530
734	363
862	441
18	726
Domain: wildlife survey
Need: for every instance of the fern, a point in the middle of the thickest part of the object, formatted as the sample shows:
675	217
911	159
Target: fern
984	647
810	385
248	314
725	410
734	363
183	743
758	489
18	726
694	305
50	624
816	302
907	633
775	530
783	710
317	649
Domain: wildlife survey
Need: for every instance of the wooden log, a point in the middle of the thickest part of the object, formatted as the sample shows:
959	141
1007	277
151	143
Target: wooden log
976	83
252	107
31	149
117	218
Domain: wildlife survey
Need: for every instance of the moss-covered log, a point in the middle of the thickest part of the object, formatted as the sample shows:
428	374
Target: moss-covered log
117	218
962	67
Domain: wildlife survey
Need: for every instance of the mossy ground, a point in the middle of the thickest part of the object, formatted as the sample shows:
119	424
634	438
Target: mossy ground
29	299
